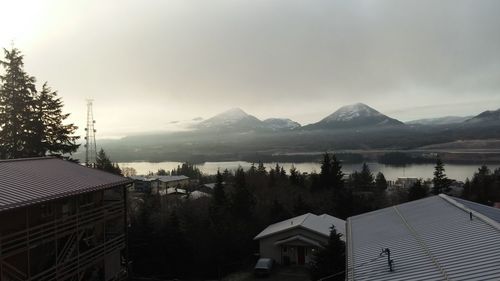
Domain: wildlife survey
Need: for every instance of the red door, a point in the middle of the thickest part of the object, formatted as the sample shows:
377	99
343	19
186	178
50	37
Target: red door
301	255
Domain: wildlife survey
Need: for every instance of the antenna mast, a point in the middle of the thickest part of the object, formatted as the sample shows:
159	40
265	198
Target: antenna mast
90	145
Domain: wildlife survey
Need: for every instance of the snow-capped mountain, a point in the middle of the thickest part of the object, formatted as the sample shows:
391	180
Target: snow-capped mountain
277	124
353	116
234	118
238	120
439	120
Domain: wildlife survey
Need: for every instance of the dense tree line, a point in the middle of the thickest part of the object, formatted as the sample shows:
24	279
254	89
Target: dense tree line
484	187
214	235
31	120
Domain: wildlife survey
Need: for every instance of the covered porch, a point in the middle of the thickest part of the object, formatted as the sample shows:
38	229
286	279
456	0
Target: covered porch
297	249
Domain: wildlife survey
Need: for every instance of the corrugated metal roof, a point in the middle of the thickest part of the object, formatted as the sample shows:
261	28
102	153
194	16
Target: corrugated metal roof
492	213
429	239
30	181
319	224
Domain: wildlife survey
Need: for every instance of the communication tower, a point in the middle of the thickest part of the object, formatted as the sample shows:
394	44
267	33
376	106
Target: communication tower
90	145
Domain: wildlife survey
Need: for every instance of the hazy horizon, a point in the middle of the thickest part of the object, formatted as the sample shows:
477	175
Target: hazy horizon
150	63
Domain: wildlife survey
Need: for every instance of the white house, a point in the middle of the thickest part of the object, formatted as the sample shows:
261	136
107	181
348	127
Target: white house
293	241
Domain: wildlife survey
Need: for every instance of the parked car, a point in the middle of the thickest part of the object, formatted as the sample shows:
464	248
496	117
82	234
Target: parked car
263	267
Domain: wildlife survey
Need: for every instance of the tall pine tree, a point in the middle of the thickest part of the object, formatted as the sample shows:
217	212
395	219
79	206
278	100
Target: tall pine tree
336	173
52	136
440	181
17	96
31	123
104	163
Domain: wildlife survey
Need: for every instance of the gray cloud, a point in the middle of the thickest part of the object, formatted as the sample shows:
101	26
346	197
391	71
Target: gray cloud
151	62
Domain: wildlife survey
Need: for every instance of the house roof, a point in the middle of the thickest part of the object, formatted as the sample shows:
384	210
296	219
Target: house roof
319	224
35	180
299	238
142	178
490	212
429	239
172	178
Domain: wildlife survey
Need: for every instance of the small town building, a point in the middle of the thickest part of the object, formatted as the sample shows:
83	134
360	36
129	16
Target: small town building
435	238
295	240
61	221
163	183
142	184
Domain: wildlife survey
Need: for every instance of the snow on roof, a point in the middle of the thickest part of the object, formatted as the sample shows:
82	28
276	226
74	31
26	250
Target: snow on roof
173	190
172	178
319	224
429	239
198	194
298	238
141	178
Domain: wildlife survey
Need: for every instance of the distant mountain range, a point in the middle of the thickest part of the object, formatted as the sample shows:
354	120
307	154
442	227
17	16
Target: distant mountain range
350	116
440	120
354	116
237	135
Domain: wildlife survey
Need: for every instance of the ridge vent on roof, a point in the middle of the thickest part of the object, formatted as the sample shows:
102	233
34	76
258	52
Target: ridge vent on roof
28	159
480	216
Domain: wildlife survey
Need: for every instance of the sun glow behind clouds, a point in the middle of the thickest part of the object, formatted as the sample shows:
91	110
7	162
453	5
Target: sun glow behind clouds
20	21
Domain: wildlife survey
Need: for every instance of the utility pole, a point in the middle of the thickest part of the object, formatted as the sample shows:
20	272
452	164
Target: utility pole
90	145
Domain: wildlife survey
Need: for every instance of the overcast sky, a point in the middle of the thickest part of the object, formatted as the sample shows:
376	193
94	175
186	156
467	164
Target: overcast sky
148	63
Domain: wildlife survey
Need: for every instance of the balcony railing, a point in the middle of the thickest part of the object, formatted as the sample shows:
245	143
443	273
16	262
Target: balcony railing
14	243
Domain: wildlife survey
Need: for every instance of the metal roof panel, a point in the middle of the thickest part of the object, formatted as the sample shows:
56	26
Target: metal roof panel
35	180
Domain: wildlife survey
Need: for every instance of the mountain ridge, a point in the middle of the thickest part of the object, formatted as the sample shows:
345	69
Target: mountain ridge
356	115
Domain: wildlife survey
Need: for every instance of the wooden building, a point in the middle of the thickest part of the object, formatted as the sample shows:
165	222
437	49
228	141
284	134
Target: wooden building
61	221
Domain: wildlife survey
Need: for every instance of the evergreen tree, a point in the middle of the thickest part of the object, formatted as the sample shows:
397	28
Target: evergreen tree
31	123
162	172
366	175
272	177
242	201
417	191
52	136
261	169
440	181
104	163
326	169
337	175
380	181
17	95
294	176
277	212
219	198
331	259
300	207
467	192
363	179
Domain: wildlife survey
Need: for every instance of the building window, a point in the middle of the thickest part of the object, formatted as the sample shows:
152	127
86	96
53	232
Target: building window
284	249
